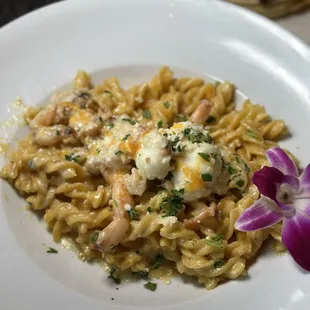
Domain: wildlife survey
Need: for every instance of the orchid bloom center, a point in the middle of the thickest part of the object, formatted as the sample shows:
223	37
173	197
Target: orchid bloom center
285	194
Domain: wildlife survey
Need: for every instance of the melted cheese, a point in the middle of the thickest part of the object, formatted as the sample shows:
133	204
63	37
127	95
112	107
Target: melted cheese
153	157
190	166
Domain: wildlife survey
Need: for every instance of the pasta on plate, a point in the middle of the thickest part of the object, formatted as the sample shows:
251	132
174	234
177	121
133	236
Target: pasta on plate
151	179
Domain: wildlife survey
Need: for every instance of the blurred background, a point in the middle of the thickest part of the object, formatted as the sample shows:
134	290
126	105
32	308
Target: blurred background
294	15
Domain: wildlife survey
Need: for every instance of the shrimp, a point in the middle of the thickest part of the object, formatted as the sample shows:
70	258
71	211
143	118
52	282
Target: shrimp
52	135
52	114
200	217
115	232
201	113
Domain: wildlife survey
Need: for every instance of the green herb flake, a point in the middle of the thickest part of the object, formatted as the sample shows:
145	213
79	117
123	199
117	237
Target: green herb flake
205	156
98	151
133	215
172	204
160	124
108	92
207	177
231	170
141	274
57	132
129	120
51	251
196	136
237	159
158	261
126	137
247	168
100	119
110	125
119	153
210	119
251	134
150	286
31	164
94	237
216	241
240	183
149	209
147	114
72	157
219	263
167	104
113	277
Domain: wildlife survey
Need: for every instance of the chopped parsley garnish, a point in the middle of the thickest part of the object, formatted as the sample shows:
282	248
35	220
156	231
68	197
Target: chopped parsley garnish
167	104
178	191
95	237
100	119
207	177
141	274
173	143
219	263
126	137
72	157
231	170
52	251
133	214
237	159
147	114
31	164
113	277
205	156
129	120
240	183
158	261
217	83
57	132
210	119
196	137
150	286
98	151
172	204
251	134
247	168
108	92
110	125
119	153
216	241
160	124
149	209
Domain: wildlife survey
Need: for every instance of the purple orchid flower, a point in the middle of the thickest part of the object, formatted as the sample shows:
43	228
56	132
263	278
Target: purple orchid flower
284	196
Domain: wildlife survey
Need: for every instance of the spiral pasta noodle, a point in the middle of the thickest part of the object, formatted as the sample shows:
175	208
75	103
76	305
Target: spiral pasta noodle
78	202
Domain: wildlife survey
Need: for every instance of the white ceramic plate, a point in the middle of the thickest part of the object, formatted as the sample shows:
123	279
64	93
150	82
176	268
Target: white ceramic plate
42	51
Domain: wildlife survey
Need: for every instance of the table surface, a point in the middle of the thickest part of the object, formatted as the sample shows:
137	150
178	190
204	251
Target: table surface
299	24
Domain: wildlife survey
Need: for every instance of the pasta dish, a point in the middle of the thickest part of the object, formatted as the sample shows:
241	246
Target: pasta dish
150	179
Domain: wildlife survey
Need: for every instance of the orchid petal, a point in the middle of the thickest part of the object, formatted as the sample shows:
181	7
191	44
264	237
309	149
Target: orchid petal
302	205
280	160
266	180
296	236
287	209
305	183
263	213
292	181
